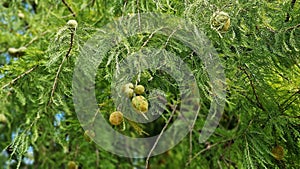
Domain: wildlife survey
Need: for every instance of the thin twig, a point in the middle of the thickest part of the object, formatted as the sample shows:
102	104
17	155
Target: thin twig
259	104
150	36
60	67
191	146
19	77
169	37
285	102
97	158
285	108
293	27
191	134
202	151
159	136
139	16
69	8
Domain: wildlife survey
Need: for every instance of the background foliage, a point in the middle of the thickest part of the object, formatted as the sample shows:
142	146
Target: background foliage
260	54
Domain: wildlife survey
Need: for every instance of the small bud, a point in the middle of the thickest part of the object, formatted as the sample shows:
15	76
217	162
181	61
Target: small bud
72	24
127	86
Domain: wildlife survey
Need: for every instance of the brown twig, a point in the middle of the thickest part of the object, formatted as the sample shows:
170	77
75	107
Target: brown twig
19	77
60	67
69	8
159	136
208	147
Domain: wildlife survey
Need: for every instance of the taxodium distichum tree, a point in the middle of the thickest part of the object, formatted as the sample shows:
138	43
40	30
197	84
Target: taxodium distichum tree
149	84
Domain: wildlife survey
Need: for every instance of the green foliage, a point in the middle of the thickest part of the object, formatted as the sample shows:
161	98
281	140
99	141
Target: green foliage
260	54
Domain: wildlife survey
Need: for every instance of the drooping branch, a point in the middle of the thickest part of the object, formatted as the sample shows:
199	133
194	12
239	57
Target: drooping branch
60	66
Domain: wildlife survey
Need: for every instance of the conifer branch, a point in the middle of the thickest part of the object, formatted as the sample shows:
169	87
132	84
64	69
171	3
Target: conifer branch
60	66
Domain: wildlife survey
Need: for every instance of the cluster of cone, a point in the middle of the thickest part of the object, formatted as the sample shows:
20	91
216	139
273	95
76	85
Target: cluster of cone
139	102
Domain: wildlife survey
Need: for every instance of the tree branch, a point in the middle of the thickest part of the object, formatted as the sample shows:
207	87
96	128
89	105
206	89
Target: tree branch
69	8
19	77
60	67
